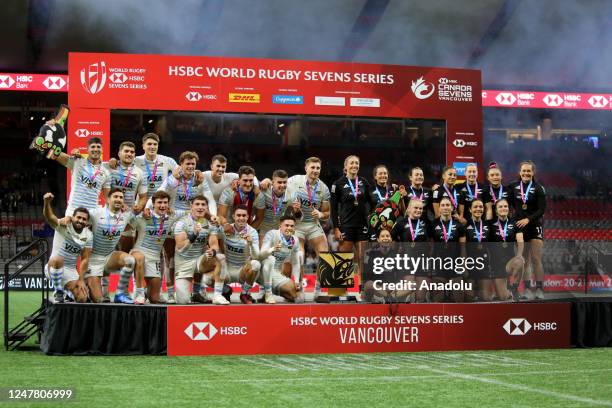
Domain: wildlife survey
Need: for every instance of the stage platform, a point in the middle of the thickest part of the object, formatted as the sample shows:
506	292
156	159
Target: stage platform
112	329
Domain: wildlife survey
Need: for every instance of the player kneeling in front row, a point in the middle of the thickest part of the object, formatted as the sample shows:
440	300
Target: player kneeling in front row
196	251
69	242
241	263
280	247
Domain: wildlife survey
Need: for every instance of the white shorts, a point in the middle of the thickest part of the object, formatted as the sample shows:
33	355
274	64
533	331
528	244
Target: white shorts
152	266
185	268
69	275
97	265
278	279
309	230
233	272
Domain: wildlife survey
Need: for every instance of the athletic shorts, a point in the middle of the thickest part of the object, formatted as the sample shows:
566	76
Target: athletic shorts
499	260
97	265
233	272
533	231
184	268
278	280
68	275
309	230
152	266
354	234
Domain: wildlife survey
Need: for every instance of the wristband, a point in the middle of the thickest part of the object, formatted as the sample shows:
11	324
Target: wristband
192	237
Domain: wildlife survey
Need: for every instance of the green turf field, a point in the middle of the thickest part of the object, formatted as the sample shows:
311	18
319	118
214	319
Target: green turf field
534	378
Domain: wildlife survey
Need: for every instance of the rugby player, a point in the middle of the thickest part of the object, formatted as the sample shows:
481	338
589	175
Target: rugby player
416	190
469	191
155	166
277	201
382	189
449	190
494	190
245	194
69	242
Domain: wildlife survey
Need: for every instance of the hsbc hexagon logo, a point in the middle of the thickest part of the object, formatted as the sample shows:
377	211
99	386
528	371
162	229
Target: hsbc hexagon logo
54	82
598	101
422	89
201	331
6	81
505	98
81	133
459	143
517	327
193	96
553	100
118	77
93	77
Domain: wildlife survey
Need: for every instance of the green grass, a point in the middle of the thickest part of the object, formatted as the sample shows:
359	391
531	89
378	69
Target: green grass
529	378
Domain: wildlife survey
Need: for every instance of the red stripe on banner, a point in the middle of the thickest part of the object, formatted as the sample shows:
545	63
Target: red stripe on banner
308	329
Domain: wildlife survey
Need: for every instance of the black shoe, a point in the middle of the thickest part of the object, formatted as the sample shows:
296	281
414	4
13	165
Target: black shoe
198	298
227	292
58	297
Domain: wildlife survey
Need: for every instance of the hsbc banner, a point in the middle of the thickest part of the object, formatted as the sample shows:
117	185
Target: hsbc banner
309	329
219	84
546	100
33	82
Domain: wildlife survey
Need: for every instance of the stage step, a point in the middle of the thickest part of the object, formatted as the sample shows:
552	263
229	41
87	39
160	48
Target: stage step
36	318
18	336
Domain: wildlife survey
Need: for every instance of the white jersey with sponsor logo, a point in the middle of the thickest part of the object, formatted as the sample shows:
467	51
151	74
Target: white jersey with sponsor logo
289	247
236	251
317	195
86	183
182	192
187	224
153	232
275	208
129	179
226	181
227	198
68	244
156	171
107	229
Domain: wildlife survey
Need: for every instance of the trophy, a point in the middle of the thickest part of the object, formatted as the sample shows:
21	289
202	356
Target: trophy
51	140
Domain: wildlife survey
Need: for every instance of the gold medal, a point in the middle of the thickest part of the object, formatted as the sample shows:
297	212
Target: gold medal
413	244
524	206
355	203
505	245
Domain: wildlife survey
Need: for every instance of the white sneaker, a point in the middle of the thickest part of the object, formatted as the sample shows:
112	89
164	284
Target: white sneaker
139	299
171	299
218	299
300	297
269	298
529	294
539	294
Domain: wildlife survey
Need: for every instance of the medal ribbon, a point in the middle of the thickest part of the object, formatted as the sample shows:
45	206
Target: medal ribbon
418	197
125	180
311	194
280	207
447	234
452	197
475	194
503	232
187	188
113	228
355	189
478	234
380	197
414	234
499	197
92	176
525	195
149	172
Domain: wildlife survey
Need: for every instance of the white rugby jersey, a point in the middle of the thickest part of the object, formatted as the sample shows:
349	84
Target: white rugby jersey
153	232
130	180
182	192
86	183
319	194
275	207
227	198
107	229
155	172
236	252
68	244
226	181
187	224
290	248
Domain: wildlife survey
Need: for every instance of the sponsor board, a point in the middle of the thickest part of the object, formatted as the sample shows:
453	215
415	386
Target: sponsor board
243	98
33	82
27	283
288	99
546	100
330	100
365	102
306	329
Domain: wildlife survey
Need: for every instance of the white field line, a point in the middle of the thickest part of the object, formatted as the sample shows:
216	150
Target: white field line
520	387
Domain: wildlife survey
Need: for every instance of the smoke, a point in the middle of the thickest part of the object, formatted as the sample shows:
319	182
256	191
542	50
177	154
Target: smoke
545	43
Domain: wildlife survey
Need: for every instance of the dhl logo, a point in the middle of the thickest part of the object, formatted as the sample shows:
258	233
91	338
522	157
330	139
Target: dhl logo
244	98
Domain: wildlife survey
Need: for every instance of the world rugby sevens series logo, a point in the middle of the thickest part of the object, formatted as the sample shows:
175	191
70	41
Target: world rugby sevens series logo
93	77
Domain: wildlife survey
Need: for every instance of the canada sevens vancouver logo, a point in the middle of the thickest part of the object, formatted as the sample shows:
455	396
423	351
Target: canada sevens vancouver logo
93	77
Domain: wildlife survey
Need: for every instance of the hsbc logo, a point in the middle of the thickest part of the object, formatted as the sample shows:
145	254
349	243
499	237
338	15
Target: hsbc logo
118	78
553	100
422	89
54	82
517	327
6	81
200	331
459	143
193	96
93	77
505	98
598	101
81	133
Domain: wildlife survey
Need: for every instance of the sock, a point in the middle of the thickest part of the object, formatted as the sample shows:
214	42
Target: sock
218	288
56	278
528	284
268	264
196	287
245	288
104	283
124	279
317	290
540	285
170	290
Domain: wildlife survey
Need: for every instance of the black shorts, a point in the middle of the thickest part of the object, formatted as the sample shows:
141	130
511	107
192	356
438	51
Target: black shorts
533	231
499	260
354	234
